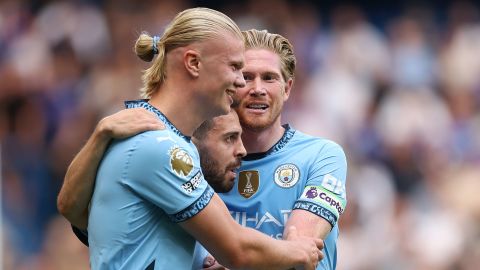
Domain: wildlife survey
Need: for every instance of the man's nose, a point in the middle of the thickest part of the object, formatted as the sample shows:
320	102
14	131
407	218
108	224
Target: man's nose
257	88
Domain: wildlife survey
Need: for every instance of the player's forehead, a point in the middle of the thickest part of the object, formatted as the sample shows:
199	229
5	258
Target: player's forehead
225	46
228	123
259	60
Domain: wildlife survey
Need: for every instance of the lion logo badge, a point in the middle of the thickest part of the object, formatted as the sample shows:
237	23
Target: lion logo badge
181	162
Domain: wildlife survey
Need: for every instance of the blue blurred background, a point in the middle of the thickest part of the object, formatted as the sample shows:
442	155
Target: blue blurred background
397	85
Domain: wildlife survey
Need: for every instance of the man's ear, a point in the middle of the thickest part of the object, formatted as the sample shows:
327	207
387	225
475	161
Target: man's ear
191	60
288	88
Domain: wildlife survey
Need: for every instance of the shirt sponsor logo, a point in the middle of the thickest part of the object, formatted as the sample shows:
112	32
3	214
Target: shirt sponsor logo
287	175
181	162
248	183
193	183
256	220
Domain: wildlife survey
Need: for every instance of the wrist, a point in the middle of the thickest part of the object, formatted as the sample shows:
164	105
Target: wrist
103	131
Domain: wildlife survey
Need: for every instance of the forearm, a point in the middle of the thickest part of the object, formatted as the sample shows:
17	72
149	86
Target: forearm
260	251
238	247
77	189
308	224
79	180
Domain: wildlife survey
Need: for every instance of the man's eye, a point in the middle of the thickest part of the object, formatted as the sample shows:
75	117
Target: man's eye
247	77
231	139
268	78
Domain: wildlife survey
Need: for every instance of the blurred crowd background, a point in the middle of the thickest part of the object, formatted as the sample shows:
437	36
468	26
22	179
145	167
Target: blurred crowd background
397	85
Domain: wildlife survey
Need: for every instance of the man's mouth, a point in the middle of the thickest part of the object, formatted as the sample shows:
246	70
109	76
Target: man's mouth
234	167
261	107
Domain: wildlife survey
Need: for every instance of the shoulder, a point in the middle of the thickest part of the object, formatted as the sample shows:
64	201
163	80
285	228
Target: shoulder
318	144
161	151
159	143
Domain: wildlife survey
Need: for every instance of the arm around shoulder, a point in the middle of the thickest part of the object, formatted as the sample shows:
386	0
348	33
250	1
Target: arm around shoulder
77	188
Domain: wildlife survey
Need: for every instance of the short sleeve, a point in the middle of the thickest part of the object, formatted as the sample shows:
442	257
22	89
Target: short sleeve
324	193
165	170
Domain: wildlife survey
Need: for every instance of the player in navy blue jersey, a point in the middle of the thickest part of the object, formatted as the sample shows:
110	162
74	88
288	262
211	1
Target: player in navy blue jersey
150	201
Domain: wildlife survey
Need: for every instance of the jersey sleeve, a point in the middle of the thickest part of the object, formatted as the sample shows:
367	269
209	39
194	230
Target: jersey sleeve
167	173
324	193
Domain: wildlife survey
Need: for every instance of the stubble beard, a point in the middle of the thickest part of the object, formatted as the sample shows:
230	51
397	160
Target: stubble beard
251	122
214	176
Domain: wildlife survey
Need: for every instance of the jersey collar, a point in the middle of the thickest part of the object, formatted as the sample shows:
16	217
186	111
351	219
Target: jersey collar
143	103
287	135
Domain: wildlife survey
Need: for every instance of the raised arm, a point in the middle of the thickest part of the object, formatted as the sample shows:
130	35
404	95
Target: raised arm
77	189
240	247
324	199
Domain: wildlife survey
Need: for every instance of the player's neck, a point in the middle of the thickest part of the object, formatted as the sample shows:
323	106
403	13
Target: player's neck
259	141
186	118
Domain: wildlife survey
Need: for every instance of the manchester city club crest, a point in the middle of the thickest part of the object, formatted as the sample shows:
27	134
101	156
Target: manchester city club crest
181	162
248	182
287	175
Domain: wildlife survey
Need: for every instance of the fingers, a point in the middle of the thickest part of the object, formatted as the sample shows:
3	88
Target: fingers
316	253
319	243
315	257
320	255
214	266
208	261
147	119
130	122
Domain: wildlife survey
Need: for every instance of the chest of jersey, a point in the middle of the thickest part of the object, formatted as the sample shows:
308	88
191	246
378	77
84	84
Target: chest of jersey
265	191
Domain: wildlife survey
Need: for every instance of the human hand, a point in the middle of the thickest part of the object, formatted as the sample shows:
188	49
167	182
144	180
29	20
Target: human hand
129	122
312	247
209	263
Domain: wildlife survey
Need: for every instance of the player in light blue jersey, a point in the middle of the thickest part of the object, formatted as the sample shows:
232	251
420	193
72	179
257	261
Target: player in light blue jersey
151	202
146	185
287	178
299	172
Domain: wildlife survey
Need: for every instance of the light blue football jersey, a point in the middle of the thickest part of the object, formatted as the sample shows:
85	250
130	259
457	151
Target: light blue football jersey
145	185
298	172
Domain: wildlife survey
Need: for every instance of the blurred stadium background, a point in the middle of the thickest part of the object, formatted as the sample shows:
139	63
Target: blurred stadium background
398	85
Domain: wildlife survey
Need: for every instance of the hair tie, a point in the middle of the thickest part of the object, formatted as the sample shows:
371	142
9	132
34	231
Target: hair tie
155	41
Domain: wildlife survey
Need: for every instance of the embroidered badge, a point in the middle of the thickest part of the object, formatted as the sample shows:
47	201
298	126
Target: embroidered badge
180	161
248	183
287	175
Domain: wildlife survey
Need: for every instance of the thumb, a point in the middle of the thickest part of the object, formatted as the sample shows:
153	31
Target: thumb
292	233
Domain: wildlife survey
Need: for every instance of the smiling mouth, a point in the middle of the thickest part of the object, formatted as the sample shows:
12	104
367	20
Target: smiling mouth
261	107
